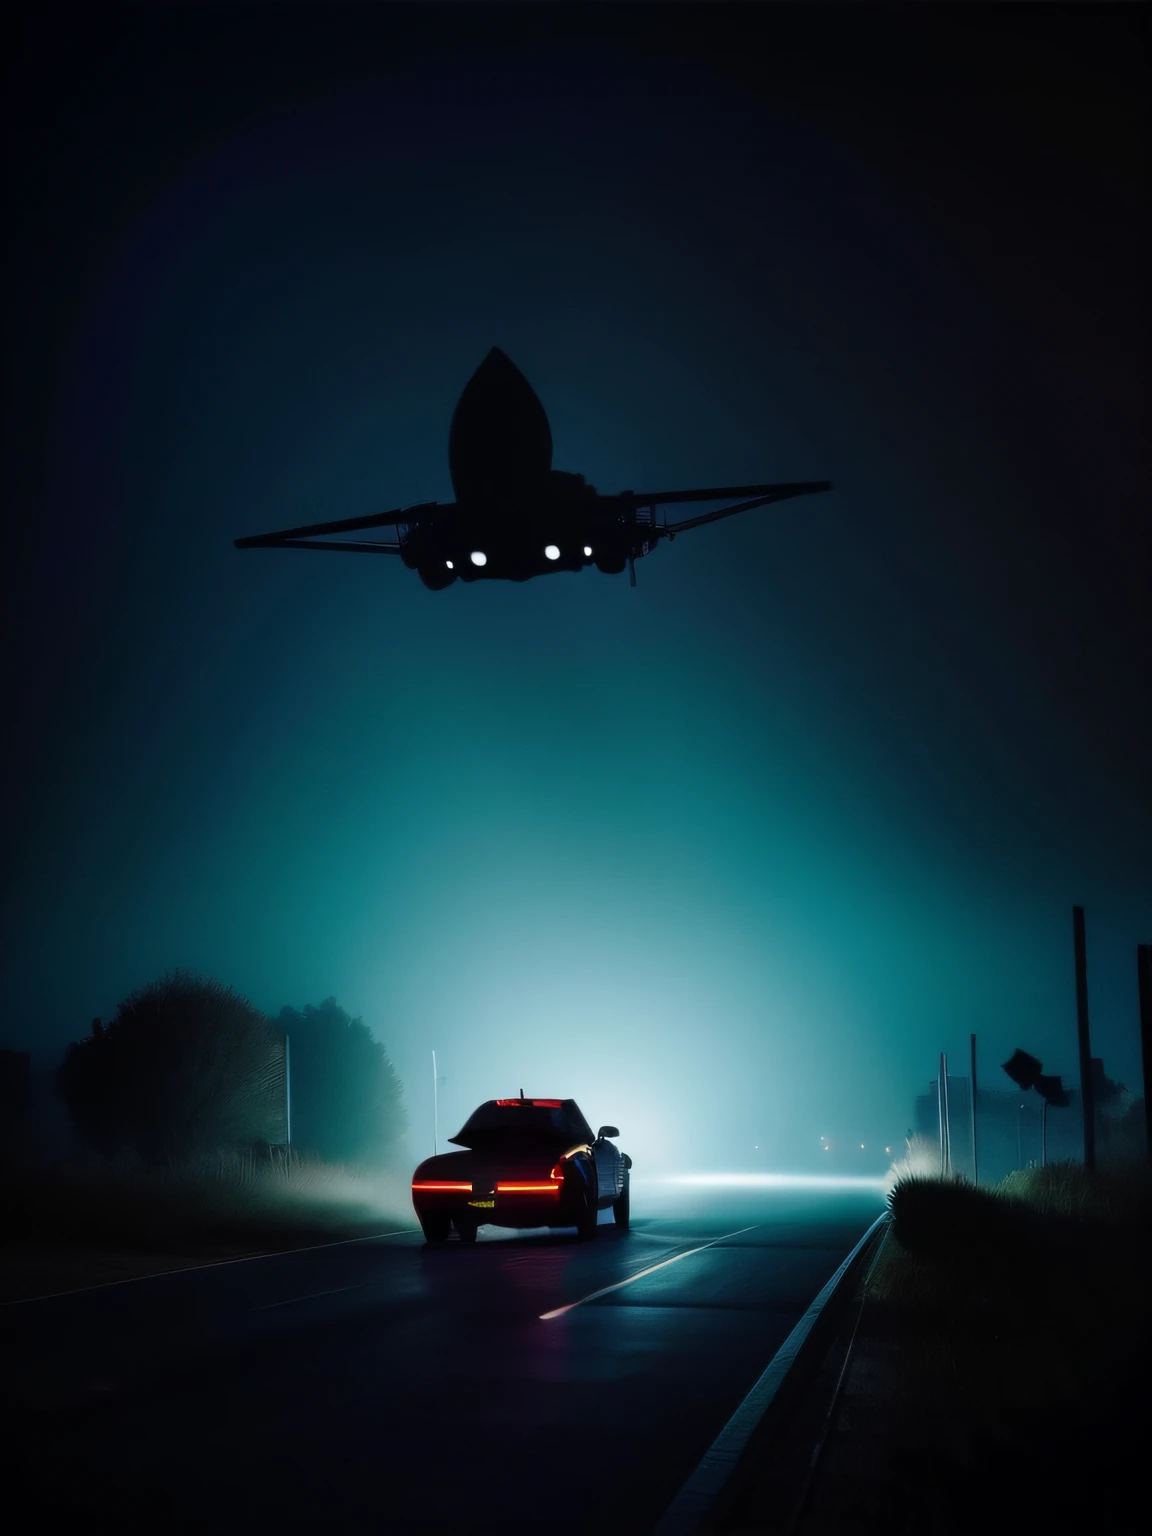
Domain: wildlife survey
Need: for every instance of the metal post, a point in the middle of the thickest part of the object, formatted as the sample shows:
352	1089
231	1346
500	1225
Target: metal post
972	1101
1144	979
947	1118
1080	948
1043	1133
288	1088
940	1112
435	1109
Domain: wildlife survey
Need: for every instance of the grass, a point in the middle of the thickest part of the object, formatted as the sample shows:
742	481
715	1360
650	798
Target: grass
77	1217
1015	1324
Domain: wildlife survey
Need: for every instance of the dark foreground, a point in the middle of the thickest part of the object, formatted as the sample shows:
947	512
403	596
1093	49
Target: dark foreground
385	1384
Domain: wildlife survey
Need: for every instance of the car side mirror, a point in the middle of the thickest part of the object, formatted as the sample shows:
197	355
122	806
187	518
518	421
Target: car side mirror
607	1130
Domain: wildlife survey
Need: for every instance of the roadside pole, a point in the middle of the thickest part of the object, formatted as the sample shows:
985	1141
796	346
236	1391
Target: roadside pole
288	1090
940	1112
1144	978
947	1119
945	1128
972	1101
1080	947
1043	1133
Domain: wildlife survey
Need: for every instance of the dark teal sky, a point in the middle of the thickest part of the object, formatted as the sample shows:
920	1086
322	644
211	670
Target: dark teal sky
741	849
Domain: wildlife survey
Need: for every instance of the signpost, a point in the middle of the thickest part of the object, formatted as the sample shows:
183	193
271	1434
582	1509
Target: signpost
1028	1072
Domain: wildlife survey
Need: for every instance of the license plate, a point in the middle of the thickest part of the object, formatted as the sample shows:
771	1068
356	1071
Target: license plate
483	1205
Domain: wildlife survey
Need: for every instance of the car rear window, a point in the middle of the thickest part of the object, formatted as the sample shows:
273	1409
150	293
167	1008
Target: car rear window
559	1119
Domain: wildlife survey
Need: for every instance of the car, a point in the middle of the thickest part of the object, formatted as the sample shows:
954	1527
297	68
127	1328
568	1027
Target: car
524	1163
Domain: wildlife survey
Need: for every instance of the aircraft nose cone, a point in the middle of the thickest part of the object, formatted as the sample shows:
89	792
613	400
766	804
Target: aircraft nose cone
499	443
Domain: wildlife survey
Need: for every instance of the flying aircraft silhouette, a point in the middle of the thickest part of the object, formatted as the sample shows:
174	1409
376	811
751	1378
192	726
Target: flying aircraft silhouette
515	516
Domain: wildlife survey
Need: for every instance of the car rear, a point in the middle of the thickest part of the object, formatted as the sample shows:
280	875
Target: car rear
523	1169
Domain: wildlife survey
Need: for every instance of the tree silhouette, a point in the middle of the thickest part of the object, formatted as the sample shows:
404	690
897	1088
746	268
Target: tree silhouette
346	1098
186	1066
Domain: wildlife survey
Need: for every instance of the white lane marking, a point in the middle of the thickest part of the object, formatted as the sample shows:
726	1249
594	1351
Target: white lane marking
651	1270
311	1296
245	1258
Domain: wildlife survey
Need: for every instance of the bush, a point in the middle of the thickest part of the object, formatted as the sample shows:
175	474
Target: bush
186	1067
933	1216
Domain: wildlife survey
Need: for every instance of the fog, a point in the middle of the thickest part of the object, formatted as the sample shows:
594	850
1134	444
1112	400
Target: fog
729	857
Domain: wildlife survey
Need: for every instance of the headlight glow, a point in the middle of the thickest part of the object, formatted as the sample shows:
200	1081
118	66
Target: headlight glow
587	551
552	551
478	557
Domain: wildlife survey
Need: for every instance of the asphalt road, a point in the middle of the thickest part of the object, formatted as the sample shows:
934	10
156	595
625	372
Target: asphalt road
384	1385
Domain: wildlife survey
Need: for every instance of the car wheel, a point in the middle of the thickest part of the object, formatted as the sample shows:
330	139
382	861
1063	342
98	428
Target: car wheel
622	1208
588	1218
466	1230
435	1228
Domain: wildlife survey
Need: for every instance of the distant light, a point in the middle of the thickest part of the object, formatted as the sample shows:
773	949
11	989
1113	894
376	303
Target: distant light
861	1146
478	557
552	551
887	1149
828	1148
588	550
449	564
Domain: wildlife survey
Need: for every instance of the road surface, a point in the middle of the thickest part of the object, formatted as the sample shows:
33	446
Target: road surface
384	1385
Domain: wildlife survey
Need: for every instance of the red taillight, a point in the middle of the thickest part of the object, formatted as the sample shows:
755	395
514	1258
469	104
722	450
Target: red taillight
558	1171
528	1189
441	1186
539	1103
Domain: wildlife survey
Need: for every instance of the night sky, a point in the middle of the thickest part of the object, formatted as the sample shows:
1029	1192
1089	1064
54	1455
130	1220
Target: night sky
729	857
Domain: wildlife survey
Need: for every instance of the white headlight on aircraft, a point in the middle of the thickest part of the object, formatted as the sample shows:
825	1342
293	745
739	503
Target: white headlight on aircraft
552	551
478	557
449	564
587	551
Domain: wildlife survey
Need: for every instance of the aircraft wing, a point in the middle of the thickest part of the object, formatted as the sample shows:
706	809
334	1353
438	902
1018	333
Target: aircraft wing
305	538
755	496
